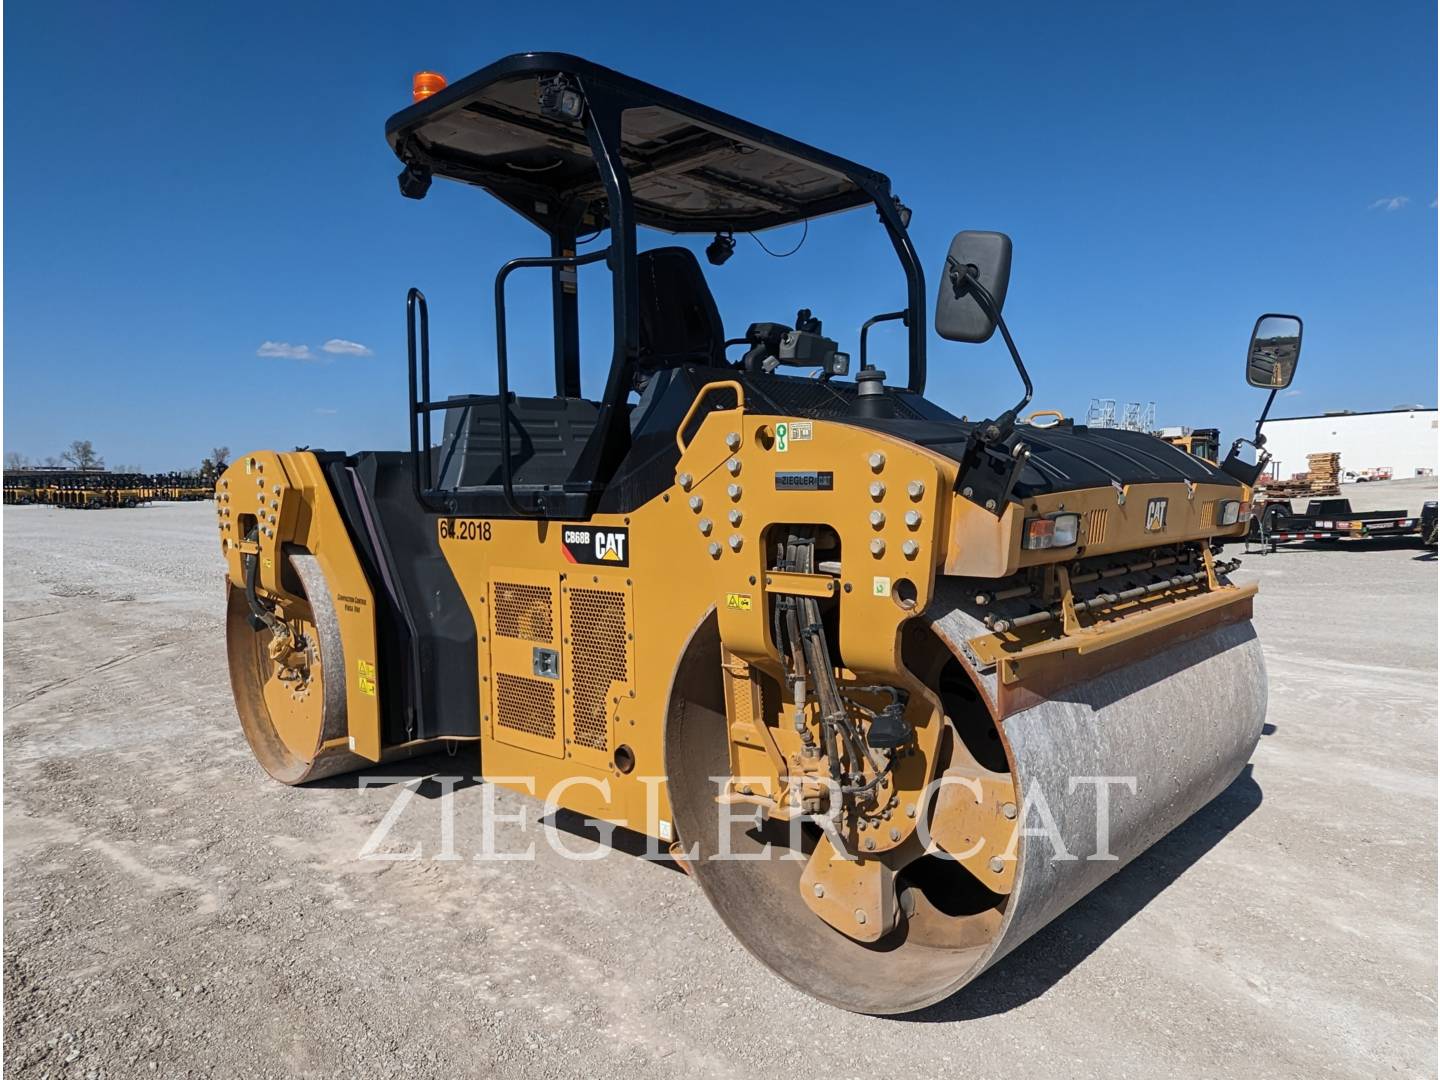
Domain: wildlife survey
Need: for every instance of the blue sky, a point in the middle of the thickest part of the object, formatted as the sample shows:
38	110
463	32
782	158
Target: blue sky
186	183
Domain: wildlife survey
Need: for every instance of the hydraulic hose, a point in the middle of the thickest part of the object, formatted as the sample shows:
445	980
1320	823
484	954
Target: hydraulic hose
258	611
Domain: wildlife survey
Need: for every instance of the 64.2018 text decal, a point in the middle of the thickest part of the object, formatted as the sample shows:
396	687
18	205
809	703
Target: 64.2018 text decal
464	529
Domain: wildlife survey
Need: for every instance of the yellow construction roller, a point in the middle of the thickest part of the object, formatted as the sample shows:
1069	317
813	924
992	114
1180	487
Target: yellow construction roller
896	687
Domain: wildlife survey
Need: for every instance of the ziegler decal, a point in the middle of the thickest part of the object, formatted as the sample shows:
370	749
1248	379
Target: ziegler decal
594	546
804	481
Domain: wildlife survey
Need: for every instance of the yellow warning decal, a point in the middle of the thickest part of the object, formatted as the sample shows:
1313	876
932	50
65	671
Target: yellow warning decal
367	677
738	601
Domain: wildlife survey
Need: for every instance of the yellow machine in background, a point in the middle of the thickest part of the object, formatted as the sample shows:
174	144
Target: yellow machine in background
747	604
1203	443
98	489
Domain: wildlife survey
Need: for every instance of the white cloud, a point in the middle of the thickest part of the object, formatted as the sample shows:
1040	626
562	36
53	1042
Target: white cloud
341	347
1391	202
283	350
1292	393
327	412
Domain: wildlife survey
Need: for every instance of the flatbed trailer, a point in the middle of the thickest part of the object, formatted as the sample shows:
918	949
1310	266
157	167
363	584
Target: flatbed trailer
1277	522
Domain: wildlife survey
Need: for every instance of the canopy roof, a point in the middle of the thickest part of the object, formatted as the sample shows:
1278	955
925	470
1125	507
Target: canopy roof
691	168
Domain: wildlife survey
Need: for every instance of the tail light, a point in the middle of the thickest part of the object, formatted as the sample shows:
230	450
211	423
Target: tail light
1051	531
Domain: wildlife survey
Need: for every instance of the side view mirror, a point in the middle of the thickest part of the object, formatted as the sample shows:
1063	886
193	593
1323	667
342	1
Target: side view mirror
1274	351
984	257
1269	364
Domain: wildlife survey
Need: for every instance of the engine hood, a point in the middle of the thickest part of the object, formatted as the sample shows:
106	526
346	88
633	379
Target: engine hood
1063	457
1068	457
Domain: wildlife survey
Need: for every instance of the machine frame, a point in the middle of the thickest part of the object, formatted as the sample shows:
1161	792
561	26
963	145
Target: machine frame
756	611
429	138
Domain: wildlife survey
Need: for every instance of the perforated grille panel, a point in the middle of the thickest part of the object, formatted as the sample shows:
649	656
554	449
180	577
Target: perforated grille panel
1207	514
525	704
524	612
1096	523
598	660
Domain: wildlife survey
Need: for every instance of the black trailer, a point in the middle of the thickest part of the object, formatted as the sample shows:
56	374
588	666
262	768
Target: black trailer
1278	522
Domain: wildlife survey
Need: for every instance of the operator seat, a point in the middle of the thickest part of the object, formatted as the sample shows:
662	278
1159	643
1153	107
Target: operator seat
679	324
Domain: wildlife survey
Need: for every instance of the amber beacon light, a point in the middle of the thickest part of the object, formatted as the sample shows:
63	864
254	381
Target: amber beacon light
426	83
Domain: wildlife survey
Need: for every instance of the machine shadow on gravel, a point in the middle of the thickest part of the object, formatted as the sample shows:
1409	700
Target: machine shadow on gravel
464	765
622	840
1055	951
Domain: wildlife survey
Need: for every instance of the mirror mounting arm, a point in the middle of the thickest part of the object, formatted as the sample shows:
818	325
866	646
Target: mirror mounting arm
1242	471
889	316
963	280
1246	472
1259	438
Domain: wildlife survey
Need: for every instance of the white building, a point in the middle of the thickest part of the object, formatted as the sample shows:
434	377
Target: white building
1404	440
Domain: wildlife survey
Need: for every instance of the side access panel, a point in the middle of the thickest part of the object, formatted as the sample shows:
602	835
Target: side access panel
524	692
599	663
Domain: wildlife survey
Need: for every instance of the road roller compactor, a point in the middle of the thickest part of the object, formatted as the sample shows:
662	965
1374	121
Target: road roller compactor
895	687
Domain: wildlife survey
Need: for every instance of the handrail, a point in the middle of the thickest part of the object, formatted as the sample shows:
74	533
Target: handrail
1056	413
419	394
889	316
502	365
723	384
458	401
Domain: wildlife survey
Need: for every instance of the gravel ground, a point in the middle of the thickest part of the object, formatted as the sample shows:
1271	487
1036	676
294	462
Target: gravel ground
170	911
